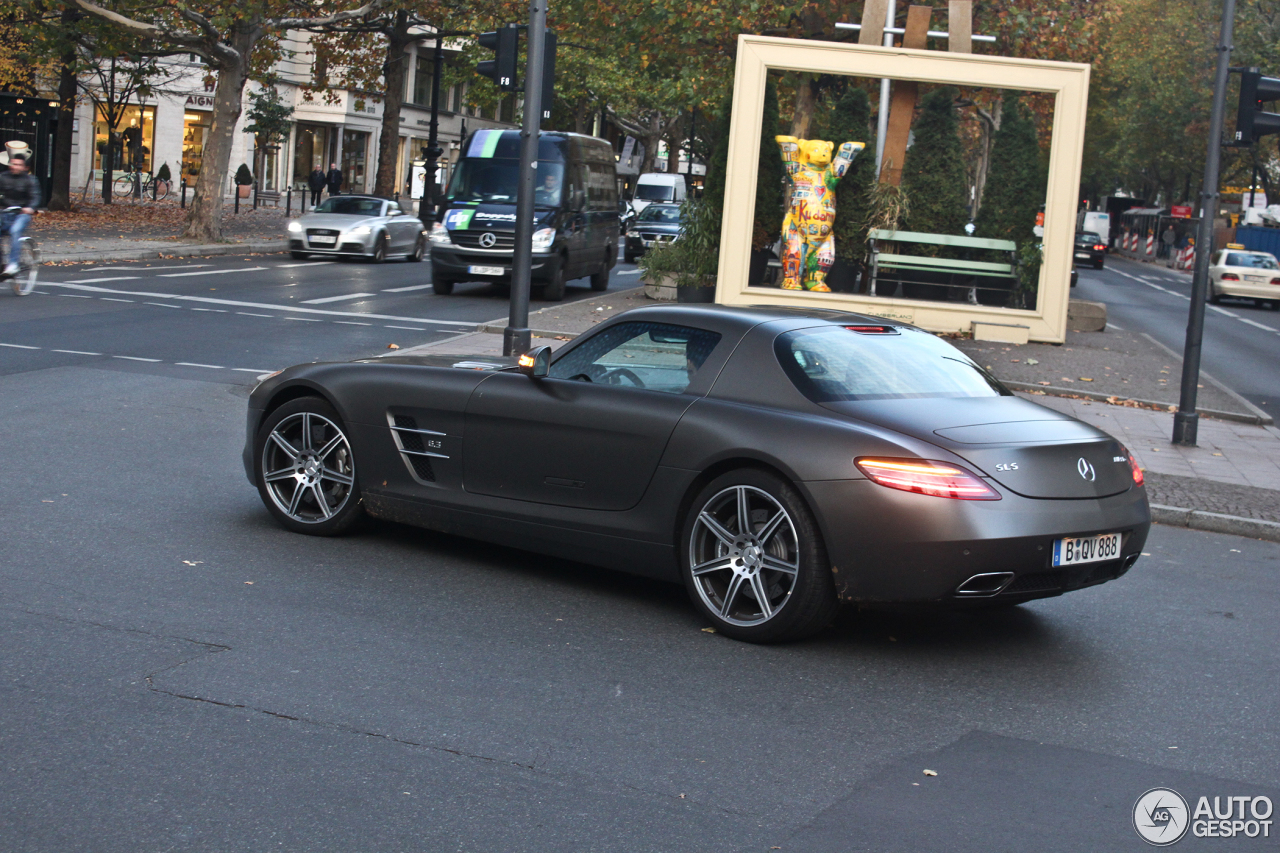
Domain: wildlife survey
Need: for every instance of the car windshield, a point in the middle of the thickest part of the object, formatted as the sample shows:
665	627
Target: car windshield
666	213
1258	261
348	206
655	192
497	180
832	363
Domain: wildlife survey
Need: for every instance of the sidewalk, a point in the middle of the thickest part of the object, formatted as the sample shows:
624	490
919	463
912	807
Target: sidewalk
131	230
1229	483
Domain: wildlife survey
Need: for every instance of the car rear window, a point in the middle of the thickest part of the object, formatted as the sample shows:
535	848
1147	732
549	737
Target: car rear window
1243	259
831	363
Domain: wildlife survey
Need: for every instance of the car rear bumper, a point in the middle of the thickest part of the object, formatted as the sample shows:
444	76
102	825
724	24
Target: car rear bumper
1247	290
898	548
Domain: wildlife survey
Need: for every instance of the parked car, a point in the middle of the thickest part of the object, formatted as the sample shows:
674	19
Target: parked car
656	224
1090	247
776	461
658	187
576	214
1241	273
357	226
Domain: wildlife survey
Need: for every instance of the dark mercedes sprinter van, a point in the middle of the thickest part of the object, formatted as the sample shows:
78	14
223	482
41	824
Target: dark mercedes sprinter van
575	230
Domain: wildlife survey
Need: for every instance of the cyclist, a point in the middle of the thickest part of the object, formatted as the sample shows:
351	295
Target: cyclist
18	189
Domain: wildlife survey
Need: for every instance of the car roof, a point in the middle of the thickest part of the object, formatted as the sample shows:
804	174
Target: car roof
745	317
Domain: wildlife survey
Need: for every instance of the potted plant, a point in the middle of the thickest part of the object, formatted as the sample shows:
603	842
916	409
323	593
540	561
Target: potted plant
244	180
685	268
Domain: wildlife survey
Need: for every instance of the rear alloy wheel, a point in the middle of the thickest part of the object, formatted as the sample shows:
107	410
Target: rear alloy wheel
441	286
553	290
305	470
1214	296
379	249
419	250
753	559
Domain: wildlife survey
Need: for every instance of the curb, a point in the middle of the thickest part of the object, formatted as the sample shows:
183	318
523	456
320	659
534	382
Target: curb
178	251
1198	519
494	329
1056	391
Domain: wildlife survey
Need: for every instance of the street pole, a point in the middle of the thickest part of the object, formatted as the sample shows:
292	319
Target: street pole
1186	420
516	337
882	115
426	207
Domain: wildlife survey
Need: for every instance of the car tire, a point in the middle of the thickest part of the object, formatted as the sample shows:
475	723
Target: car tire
441	286
628	257
419	250
305	469
600	281
1097	265
777	556
1215	298
553	290
379	249
299	256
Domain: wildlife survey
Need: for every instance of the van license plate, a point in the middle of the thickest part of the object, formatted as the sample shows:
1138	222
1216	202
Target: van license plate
487	270
1087	549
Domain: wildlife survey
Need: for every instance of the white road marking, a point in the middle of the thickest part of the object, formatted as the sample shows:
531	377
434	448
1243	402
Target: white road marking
407	289
138	358
351	323
342	298
1114	326
407	328
18	346
107	278
237	304
1257	325
247	314
214	310
74	295
115	299
76	352
249	370
193	364
305	319
629	272
159	304
208	272
1222	311
135	358
304	264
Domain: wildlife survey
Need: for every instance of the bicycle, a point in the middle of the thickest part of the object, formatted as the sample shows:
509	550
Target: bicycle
28	255
152	188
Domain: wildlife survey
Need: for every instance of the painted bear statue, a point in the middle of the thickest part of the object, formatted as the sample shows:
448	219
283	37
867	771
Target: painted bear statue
808	245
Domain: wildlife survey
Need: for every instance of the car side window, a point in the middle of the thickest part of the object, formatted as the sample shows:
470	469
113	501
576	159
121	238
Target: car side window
653	356
393	210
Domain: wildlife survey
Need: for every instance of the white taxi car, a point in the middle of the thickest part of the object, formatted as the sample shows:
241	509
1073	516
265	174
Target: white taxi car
1238	272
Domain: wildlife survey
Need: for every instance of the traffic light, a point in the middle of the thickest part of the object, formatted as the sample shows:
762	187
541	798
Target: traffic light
504	43
548	74
1251	121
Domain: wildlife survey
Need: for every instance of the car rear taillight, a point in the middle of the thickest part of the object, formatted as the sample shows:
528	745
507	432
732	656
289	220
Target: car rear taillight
927	478
1230	276
1138	479
1100	248
873	330
1275	281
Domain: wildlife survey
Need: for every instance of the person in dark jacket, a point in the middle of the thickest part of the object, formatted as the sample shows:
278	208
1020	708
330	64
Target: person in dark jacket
316	181
18	189
334	179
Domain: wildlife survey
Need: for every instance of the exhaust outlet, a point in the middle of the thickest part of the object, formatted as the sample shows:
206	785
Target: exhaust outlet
985	584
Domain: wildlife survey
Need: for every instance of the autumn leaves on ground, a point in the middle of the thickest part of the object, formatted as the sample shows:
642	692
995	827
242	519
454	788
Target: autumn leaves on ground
151	221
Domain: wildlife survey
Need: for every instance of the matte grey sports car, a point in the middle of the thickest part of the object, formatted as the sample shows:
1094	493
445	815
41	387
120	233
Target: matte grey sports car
360	226
777	462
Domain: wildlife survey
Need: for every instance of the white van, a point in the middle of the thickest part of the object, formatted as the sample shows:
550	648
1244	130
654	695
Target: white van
658	186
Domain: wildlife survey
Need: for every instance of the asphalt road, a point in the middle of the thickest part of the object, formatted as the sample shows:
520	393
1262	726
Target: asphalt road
178	673
1241	339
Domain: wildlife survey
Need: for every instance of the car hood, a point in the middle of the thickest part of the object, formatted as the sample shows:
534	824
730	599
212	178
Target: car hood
341	221
1029	449
491	217
462	362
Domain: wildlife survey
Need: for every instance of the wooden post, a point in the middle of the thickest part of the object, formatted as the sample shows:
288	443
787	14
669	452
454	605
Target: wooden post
903	104
960	26
874	14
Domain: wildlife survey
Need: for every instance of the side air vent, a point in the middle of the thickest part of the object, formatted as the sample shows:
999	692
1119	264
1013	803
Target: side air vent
412	442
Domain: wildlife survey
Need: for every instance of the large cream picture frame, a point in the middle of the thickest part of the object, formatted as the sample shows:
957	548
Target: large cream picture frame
1068	82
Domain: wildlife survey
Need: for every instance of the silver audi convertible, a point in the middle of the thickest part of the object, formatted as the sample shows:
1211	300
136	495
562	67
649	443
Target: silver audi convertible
358	226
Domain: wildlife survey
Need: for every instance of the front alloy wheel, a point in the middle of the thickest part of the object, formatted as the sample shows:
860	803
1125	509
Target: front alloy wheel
754	561
306	472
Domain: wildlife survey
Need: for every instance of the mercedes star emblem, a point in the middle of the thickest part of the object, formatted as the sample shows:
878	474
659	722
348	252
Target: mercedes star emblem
488	239
1086	470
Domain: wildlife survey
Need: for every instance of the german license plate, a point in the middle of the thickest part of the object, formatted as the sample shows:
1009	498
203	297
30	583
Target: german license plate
1084	255
322	239
486	270
1255	278
1086	549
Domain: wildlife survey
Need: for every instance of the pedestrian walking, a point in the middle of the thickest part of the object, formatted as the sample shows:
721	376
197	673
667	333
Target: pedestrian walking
316	181
334	179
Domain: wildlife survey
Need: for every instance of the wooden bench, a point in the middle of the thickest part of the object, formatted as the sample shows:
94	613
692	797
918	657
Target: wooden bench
920	277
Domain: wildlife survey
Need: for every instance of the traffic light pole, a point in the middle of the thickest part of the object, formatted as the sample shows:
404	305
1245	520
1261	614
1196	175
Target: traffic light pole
1186	420
426	207
516	337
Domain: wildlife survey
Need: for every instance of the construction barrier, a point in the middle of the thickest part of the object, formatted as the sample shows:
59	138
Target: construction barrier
1151	244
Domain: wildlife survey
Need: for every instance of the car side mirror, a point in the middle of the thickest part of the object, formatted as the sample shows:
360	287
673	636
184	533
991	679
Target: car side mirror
536	362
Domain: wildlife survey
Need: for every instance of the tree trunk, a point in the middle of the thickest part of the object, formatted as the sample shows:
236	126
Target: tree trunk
204	219
108	167
806	102
650	139
394	68
60	192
